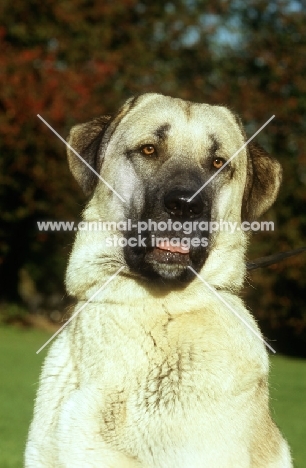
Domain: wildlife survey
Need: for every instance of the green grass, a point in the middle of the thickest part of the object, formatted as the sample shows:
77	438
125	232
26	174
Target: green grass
288	403
20	366
19	375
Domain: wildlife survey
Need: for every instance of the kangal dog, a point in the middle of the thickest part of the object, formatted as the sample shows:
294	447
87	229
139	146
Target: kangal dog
157	371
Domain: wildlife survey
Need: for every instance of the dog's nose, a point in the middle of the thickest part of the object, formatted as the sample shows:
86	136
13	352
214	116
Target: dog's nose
177	204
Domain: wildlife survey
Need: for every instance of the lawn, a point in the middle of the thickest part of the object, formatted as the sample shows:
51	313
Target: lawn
288	403
19	375
19	367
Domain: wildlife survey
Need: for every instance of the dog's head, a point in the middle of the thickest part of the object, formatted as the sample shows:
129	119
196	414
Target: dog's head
167	159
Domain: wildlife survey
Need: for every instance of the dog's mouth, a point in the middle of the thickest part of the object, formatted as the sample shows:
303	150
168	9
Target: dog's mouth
166	245
167	256
167	253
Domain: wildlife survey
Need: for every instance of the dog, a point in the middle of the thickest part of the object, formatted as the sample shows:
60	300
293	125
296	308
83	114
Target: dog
156	371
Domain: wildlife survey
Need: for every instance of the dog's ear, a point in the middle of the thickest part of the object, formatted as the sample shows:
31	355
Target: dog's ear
85	139
264	176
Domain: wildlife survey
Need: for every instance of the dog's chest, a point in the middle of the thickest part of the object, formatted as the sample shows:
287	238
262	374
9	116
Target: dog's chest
163	368
163	358
170	381
177	362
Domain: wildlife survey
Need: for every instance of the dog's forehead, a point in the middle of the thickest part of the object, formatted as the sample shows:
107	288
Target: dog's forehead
166	117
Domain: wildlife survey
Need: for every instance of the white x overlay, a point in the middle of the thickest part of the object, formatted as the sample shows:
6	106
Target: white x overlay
231	309
195	273
82	159
231	158
80	309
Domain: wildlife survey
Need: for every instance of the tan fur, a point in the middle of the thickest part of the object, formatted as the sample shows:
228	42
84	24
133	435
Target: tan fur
153	375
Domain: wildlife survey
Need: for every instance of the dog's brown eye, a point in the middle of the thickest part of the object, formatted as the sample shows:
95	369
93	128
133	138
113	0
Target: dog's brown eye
218	163
148	150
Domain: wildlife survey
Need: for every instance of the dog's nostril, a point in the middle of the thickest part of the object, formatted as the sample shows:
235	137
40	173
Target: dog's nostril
173	205
177	204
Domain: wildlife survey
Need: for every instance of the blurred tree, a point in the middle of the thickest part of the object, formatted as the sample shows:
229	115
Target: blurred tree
268	73
70	61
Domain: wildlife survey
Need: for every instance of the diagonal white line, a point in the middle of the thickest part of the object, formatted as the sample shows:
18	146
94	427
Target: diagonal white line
231	158
82	159
80	309
232	310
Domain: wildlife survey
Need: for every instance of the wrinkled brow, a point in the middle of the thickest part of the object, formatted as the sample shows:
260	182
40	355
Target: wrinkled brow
162	130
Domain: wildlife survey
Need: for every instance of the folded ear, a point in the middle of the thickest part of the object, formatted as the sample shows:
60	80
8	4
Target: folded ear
85	139
264	176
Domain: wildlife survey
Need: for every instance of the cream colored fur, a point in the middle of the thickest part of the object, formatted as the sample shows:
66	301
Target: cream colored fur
153	376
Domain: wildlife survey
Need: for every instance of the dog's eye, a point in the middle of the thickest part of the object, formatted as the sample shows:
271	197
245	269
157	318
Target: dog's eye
148	150
218	163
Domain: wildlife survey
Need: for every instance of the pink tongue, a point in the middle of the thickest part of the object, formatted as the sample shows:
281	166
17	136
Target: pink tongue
166	245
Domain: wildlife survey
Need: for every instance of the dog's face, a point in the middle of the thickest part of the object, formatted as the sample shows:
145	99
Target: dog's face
157	152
